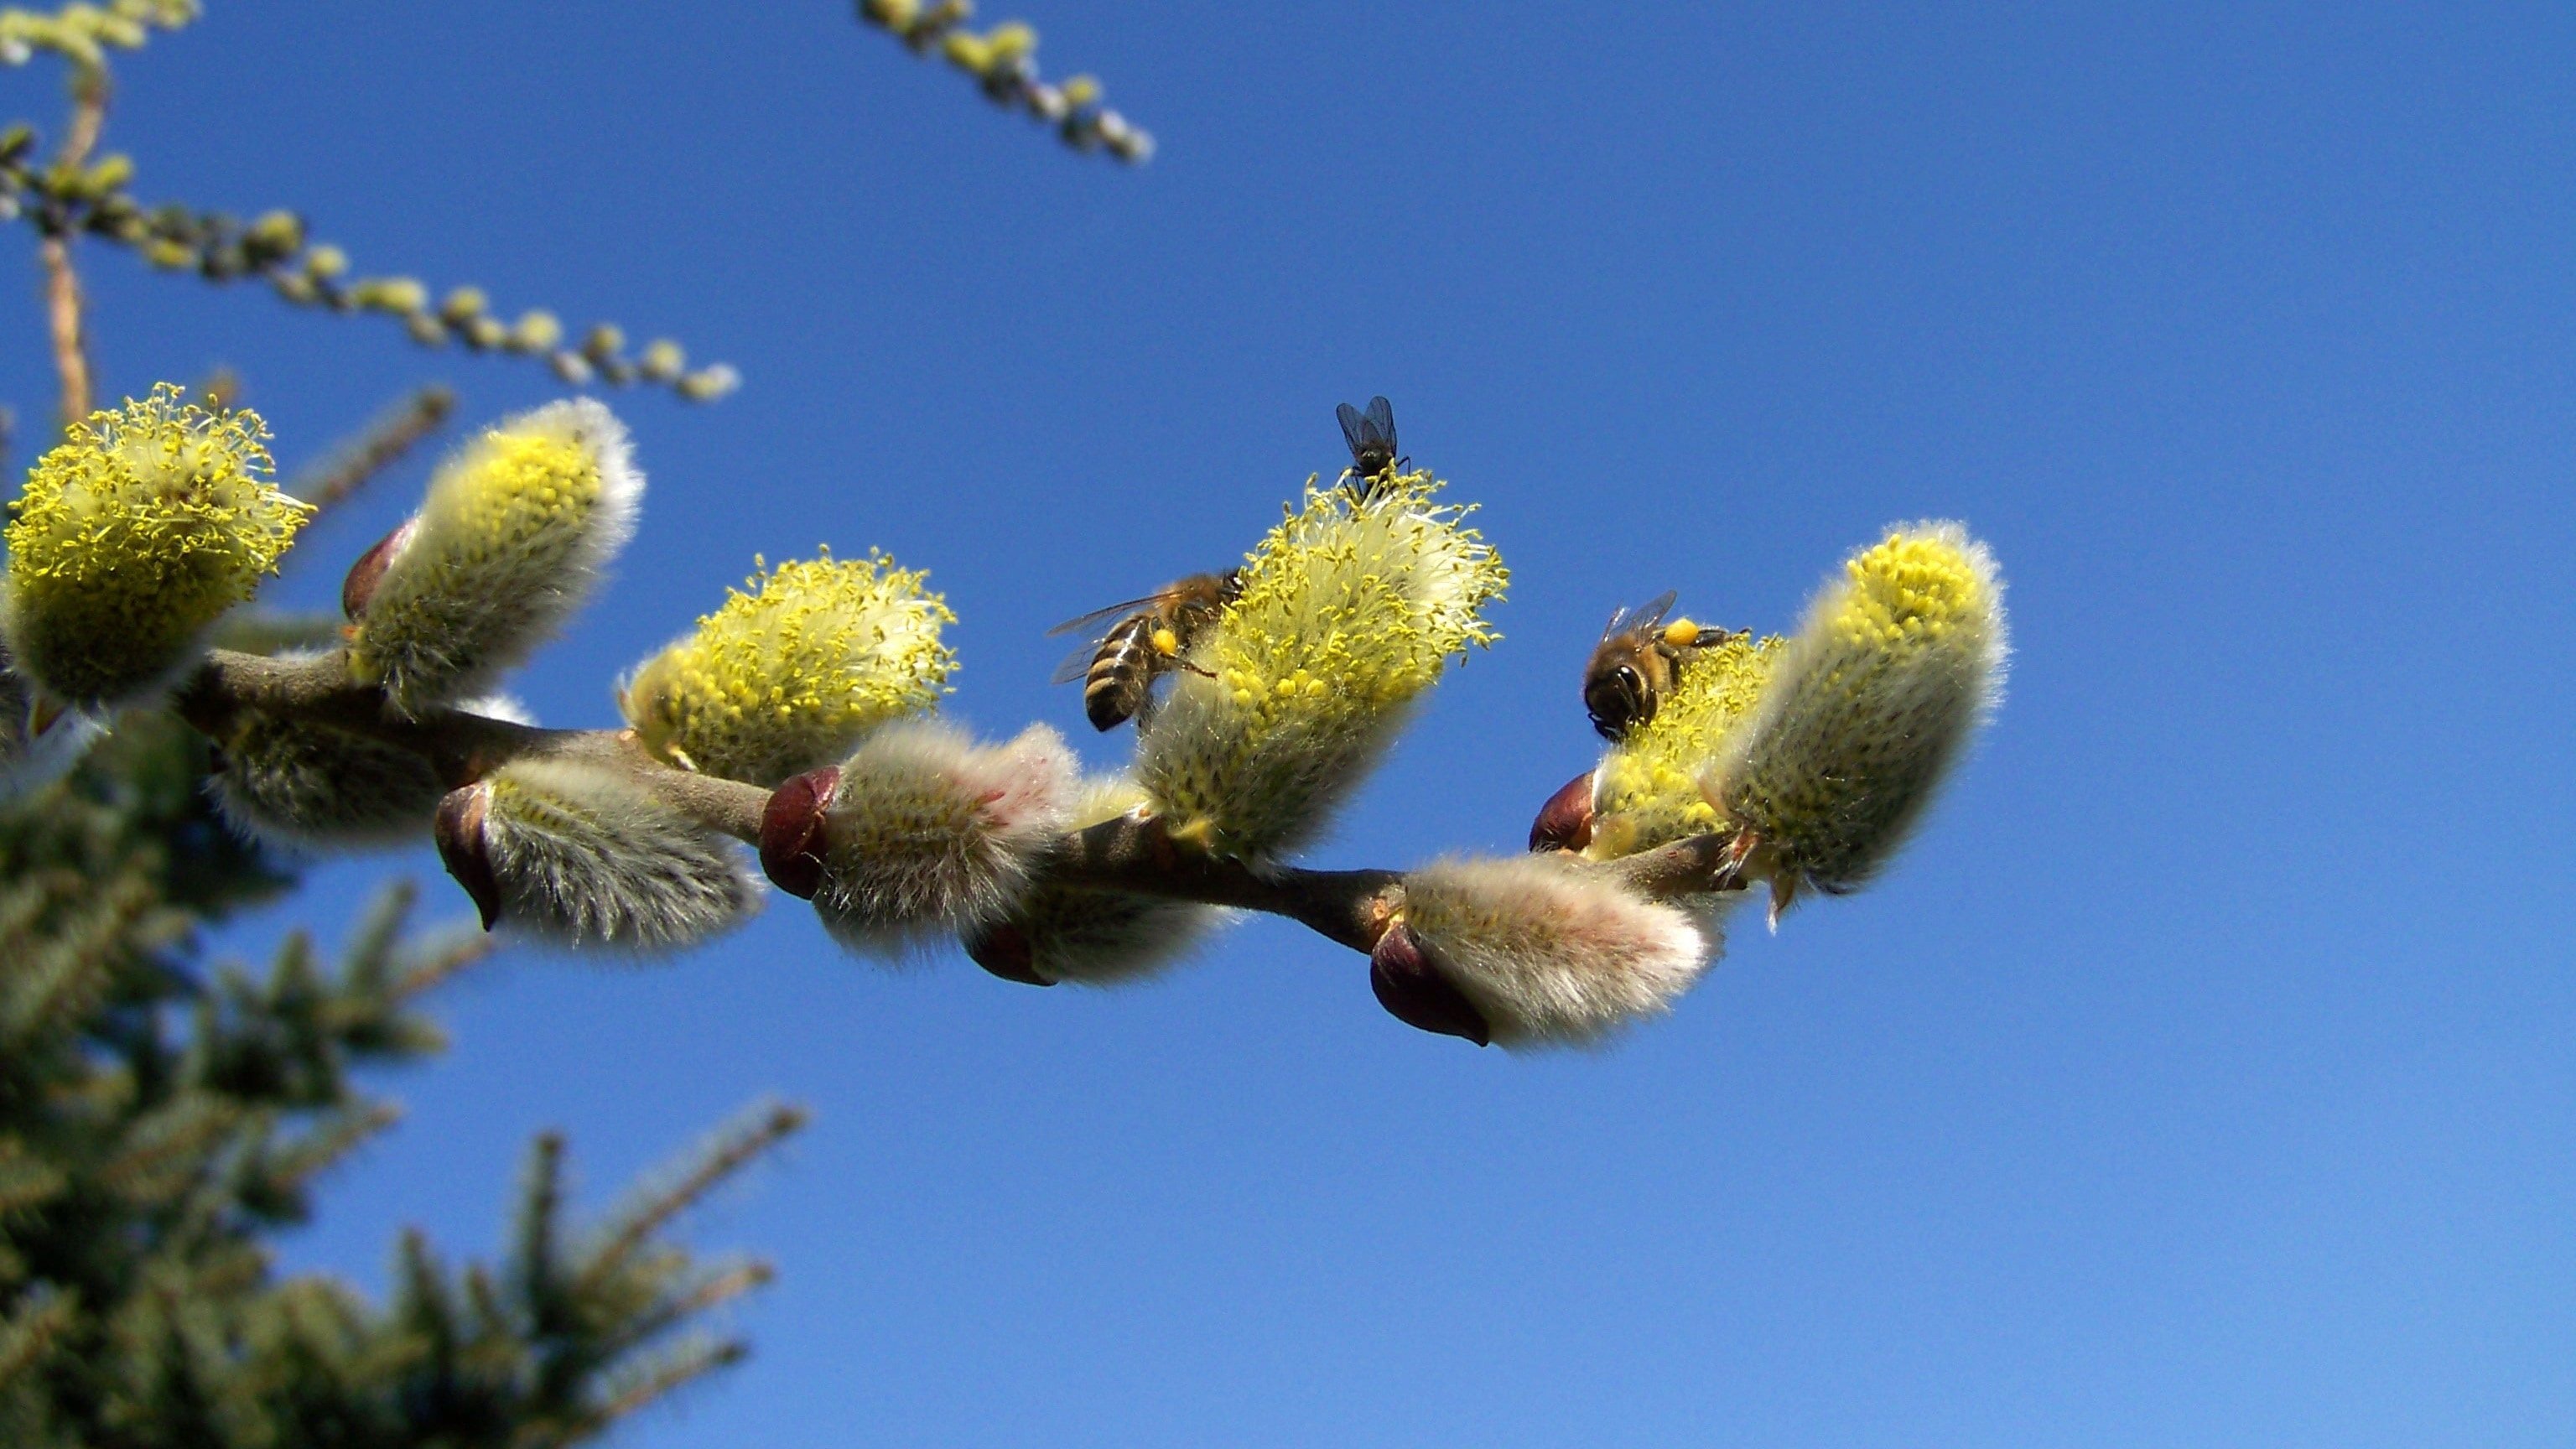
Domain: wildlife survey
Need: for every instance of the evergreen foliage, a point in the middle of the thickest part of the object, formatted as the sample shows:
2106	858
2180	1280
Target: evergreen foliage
161	1114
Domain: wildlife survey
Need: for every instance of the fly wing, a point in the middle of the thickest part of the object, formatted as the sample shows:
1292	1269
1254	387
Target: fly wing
1381	417
1352	427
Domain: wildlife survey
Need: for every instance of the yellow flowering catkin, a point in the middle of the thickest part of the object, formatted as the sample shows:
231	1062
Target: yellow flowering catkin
1897	663
133	537
1349	612
516	529
1647	793
793	673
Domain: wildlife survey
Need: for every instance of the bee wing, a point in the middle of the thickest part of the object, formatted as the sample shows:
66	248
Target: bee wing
1105	613
1381	417
1076	664
1644	616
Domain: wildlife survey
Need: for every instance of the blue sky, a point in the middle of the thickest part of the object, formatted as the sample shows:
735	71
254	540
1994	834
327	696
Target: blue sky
2202	1075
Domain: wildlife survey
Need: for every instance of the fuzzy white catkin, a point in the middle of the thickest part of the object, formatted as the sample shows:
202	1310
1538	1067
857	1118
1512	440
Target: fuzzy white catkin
515	532
927	832
1107	938
312	786
583	857
1554	951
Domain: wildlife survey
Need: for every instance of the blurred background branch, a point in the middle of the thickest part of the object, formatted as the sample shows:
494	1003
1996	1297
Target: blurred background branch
1003	63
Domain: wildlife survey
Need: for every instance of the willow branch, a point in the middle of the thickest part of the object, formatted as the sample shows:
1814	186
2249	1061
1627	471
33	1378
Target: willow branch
1130	855
63	323
62	284
387	438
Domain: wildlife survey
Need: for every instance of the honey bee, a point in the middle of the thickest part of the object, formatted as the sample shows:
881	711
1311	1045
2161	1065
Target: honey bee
1151	634
1638	660
1371	436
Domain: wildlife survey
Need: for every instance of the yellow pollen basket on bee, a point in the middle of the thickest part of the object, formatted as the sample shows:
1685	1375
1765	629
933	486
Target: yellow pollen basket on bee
1682	633
1167	643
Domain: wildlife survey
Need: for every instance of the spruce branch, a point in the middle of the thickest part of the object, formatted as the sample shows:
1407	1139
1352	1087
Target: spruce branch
1003	64
727	1152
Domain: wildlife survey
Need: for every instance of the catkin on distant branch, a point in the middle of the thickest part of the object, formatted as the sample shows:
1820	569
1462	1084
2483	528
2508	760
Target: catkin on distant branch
96	199
84	33
1003	62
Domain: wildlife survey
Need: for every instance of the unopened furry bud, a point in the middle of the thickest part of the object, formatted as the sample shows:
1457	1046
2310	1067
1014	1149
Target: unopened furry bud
516	529
132	538
462	848
297	783
1866	710
359	584
1565	821
581	856
1349	612
1095	938
927	832
1414	991
794	672
1552	950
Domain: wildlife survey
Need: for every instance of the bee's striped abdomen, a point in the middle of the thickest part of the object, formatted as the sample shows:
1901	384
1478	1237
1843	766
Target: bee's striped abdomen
1121	673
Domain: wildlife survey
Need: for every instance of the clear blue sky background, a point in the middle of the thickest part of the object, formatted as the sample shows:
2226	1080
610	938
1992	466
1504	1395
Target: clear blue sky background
2202	1076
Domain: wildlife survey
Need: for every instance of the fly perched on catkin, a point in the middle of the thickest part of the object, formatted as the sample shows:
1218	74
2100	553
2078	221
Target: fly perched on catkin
1349	611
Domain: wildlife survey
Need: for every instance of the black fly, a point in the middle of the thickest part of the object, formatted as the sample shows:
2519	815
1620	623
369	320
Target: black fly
1372	439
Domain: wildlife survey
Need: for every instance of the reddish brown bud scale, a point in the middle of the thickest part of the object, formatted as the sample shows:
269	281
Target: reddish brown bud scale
1409	985
1004	950
791	831
359	587
461	848
1565	821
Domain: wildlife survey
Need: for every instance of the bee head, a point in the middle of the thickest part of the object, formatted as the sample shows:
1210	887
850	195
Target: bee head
1618	701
